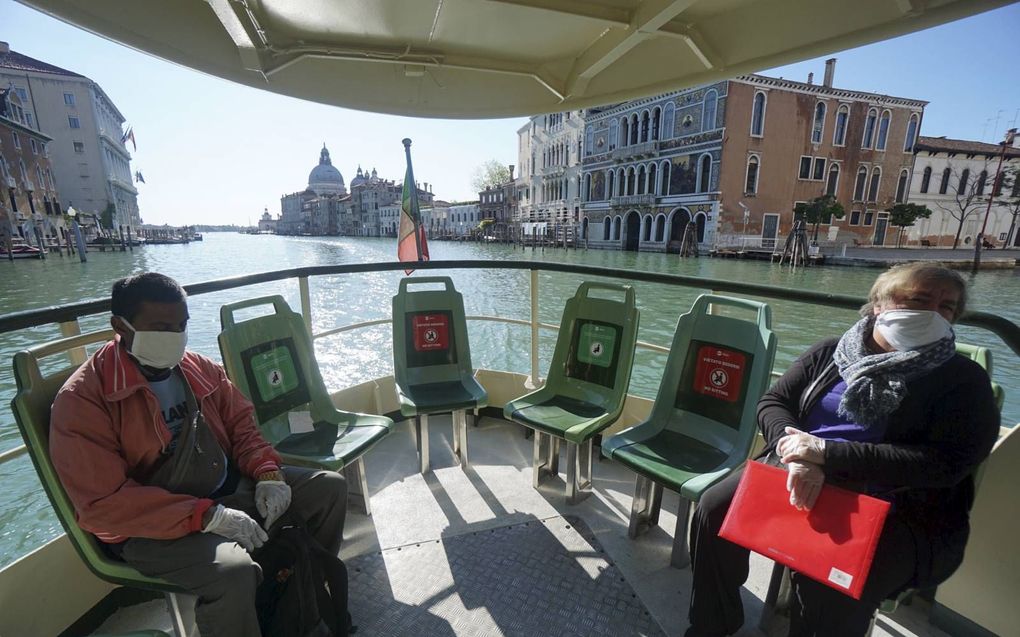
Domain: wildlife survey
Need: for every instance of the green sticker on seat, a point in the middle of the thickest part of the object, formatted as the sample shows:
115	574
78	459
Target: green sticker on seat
596	344
274	373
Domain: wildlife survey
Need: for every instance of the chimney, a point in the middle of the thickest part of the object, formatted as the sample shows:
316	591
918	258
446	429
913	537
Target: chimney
810	78
830	70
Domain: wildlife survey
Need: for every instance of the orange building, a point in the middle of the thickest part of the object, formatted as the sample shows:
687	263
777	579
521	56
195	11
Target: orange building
788	142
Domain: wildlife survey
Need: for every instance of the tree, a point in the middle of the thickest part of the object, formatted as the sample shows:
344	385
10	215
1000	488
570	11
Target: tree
107	215
903	215
965	201
819	210
489	173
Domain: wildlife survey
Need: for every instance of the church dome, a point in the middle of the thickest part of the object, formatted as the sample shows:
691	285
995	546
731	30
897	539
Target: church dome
359	179
325	178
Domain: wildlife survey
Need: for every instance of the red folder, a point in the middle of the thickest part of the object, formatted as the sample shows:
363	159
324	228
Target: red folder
832	543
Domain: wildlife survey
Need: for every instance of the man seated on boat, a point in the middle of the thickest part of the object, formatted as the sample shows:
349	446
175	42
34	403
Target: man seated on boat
888	409
161	456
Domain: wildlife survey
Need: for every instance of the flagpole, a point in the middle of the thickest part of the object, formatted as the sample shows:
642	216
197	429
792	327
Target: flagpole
414	197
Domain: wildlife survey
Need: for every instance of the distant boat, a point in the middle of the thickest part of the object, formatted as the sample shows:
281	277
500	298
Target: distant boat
197	236
20	250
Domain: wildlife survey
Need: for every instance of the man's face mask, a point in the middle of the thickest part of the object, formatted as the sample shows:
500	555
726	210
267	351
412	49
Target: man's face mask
159	350
912	329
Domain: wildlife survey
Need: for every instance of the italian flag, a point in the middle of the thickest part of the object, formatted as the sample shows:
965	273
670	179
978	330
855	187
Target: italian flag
411	243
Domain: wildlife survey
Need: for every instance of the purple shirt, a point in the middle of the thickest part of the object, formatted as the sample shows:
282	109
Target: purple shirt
825	422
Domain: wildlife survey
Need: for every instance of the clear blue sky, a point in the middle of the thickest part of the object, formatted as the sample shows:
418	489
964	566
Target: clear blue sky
215	152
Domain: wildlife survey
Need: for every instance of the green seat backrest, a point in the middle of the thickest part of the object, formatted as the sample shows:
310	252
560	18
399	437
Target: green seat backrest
717	369
31	406
595	346
983	357
430	339
271	360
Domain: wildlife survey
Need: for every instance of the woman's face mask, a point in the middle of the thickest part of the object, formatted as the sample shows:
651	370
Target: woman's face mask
912	329
159	350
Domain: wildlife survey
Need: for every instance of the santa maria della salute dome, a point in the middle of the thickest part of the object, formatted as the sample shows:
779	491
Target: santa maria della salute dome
325	179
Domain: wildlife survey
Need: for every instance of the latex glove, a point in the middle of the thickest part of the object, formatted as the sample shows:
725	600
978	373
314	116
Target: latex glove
272	497
797	445
804	482
237	526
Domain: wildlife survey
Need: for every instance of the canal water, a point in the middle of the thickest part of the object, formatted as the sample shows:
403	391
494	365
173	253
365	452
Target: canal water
25	518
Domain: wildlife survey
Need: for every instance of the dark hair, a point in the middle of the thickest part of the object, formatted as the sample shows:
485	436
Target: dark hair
130	292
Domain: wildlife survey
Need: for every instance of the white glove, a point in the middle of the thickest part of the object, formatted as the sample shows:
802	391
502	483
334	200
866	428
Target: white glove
804	482
272	497
797	445
237	526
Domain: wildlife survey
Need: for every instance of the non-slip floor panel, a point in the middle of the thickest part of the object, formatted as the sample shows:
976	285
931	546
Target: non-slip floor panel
542	577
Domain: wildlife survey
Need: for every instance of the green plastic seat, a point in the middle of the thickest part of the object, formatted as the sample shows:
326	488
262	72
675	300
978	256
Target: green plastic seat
777	597
703	422
587	384
432	360
31	406
271	360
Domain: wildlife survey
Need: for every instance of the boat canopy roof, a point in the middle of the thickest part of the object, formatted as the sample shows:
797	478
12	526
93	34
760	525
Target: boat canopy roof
494	58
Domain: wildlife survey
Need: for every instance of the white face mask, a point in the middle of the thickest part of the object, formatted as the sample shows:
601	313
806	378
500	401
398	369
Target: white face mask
159	350
912	329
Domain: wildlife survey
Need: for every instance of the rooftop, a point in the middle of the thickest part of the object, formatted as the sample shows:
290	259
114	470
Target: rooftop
13	60
944	144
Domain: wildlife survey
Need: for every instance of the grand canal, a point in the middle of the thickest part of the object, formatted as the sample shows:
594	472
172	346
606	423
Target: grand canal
25	518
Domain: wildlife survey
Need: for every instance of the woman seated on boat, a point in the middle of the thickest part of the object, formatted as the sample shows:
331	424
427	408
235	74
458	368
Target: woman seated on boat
889	409
162	459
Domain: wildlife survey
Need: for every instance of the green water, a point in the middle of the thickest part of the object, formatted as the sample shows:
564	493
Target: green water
25	518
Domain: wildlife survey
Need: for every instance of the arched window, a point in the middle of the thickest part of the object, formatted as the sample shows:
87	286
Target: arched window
656	122
621	182
979	187
587	187
660	228
869	129
751	181
631	181
862	178
607	224
901	186
705	173
944	186
876	179
589	139
624	131
617	222
883	130
819	124
668	120
961	189
839	134
709	110
664	179
833	181
758	115
645	120
614	133
652	184
911	138
925	179
641	177
646	230
634	129
609	184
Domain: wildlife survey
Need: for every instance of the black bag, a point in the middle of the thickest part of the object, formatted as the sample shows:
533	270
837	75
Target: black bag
304	587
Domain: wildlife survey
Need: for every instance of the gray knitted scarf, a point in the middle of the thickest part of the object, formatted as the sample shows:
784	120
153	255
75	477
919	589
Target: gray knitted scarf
876	383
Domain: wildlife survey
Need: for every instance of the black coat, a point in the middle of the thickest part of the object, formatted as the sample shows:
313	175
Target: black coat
944	428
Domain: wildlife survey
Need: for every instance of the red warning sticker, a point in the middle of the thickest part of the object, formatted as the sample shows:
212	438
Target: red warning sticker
719	373
431	332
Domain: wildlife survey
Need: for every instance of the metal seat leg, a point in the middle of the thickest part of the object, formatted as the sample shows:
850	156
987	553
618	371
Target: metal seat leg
422	427
357	484
578	471
176	611
546	457
681	556
644	510
460	446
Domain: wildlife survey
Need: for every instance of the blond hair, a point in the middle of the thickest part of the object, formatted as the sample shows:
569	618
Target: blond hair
899	278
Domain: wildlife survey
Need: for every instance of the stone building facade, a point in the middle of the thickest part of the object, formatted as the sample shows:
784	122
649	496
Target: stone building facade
549	151
651	167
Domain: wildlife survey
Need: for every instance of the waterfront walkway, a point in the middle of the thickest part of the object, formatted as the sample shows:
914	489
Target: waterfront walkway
961	257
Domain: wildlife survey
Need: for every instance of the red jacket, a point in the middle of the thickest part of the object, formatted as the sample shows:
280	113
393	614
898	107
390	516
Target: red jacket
107	433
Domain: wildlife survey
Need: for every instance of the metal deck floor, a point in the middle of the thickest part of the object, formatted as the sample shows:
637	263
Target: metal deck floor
409	509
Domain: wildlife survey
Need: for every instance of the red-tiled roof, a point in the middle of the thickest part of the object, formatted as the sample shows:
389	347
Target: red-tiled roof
942	144
19	62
